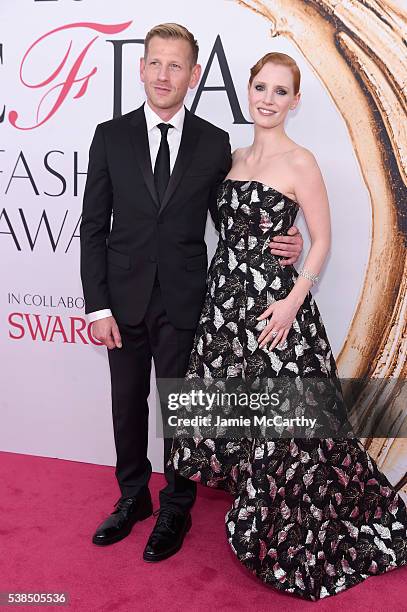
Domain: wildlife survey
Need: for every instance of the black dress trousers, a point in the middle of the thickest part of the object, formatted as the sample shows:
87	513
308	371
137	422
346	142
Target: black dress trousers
130	369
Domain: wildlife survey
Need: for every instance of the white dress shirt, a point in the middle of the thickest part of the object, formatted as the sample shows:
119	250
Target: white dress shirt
154	139
154	134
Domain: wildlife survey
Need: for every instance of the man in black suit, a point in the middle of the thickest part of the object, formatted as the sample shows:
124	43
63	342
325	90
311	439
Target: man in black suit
153	174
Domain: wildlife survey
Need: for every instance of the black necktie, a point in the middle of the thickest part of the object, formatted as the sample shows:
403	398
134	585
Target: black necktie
162	163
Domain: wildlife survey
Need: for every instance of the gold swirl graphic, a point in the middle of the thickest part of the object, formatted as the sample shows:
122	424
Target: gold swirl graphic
357	48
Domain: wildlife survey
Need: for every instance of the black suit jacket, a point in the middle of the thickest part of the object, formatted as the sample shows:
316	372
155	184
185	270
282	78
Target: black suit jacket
126	235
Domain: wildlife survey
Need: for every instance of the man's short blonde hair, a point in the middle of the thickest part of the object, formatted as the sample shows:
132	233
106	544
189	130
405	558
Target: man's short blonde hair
174	31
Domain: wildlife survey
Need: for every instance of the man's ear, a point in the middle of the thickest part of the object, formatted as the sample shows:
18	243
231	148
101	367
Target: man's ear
195	76
142	68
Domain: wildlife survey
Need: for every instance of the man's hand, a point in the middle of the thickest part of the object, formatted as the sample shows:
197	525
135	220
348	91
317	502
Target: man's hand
106	331
289	246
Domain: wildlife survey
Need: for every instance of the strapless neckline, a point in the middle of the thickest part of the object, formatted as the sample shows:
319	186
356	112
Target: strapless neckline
264	185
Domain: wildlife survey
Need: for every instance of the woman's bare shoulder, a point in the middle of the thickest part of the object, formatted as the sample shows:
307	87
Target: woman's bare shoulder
302	159
239	153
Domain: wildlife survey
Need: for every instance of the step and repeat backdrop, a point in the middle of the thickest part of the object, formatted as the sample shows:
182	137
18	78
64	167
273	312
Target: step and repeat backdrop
66	65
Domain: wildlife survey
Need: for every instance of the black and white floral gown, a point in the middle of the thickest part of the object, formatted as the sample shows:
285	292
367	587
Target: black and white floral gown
311	517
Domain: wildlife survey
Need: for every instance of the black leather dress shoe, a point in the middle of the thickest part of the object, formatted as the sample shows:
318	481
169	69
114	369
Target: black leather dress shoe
119	524
168	534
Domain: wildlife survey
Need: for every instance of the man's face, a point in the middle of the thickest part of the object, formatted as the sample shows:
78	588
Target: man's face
167	73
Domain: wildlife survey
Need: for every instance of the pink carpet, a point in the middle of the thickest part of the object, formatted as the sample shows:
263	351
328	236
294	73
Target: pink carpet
50	508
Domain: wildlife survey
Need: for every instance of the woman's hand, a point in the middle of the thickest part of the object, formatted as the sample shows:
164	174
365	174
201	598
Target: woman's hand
282	314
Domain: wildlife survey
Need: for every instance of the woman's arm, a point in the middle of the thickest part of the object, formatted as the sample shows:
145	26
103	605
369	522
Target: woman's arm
312	197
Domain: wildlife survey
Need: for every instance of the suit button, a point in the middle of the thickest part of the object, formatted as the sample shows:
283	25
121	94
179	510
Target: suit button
152	259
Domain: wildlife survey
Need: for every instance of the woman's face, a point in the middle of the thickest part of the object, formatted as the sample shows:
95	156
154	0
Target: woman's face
271	95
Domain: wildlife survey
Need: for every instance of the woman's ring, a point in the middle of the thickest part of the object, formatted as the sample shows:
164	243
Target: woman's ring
273	334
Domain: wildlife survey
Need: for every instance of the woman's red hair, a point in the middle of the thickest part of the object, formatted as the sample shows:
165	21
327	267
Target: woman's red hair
280	59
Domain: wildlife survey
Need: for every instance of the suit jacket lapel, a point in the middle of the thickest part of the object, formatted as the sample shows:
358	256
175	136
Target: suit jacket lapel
139	138
190	135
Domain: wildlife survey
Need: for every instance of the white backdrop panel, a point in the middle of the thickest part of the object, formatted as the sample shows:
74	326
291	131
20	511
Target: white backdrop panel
55	393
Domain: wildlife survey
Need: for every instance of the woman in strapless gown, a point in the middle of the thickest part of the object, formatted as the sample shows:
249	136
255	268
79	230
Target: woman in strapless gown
310	516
